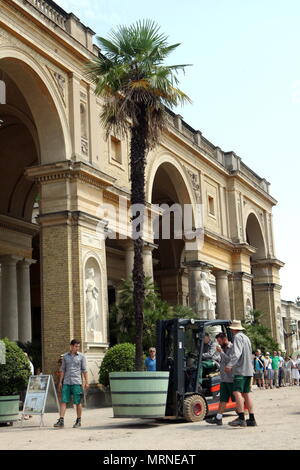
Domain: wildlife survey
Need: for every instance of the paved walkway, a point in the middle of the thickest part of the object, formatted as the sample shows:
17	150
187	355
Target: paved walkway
277	412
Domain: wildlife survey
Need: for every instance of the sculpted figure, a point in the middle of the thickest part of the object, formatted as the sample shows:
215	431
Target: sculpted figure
206	304
92	310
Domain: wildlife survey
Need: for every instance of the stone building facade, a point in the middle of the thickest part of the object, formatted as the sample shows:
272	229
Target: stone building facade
59	273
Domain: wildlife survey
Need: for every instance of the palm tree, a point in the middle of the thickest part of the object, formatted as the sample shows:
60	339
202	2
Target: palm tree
136	88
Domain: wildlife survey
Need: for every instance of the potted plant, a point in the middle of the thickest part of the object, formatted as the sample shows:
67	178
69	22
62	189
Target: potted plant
14	375
136	87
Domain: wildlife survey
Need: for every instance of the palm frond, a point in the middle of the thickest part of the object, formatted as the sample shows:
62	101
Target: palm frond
131	73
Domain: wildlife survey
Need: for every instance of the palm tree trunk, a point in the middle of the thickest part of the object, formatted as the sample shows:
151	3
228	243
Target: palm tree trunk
138	163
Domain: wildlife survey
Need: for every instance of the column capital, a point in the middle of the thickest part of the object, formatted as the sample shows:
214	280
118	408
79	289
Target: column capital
150	246
27	262
218	273
201	265
10	259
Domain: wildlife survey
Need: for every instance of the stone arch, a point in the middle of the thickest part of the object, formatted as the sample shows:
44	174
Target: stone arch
168	183
255	236
44	101
178	175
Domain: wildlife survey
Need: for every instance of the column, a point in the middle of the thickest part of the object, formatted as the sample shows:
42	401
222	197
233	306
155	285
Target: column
223	301
148	262
9	299
129	258
24	300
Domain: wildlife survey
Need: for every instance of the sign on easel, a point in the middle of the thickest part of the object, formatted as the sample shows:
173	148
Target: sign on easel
40	397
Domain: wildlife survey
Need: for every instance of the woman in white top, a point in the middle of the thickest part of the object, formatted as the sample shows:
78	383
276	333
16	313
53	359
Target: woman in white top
295	372
268	371
287	369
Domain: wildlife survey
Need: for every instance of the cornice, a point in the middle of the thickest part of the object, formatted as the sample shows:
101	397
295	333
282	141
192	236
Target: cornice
69	170
18	225
268	262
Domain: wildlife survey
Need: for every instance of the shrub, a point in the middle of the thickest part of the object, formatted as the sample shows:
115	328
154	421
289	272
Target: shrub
119	358
14	375
259	335
122	322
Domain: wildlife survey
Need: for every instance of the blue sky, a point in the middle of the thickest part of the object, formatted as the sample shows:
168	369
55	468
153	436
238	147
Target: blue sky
245	87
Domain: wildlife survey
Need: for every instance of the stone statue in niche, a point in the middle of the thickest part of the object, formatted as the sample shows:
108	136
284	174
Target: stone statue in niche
92	307
249	317
206	306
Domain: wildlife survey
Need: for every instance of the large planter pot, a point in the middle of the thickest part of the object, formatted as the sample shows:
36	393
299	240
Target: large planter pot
139	394
9	408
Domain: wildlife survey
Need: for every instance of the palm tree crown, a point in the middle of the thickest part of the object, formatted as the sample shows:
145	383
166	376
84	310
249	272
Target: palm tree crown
130	73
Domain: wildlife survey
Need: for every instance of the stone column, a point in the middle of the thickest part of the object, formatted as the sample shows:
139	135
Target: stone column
223	301
129	258
148	262
9	299
24	300
240	291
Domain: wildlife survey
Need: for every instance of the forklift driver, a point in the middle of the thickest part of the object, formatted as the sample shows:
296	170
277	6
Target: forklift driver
210	357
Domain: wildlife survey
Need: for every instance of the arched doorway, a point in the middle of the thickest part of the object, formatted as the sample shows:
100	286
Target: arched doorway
169	190
255	238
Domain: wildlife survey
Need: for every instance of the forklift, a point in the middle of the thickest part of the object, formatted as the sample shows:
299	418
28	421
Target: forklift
194	388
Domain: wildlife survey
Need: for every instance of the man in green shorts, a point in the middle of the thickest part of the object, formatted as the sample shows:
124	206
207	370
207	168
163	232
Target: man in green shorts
72	368
241	365
226	387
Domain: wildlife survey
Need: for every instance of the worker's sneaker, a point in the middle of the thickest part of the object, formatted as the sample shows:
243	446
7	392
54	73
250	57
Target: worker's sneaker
251	422
60	423
238	423
77	423
214	420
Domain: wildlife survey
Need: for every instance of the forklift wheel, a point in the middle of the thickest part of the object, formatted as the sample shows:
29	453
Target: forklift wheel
194	408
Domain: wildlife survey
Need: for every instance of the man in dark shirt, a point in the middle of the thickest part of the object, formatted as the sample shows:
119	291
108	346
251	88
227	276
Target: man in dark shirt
72	368
226	387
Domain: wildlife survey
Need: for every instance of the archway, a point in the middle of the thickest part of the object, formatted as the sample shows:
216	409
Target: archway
33	131
169	190
255	237
38	97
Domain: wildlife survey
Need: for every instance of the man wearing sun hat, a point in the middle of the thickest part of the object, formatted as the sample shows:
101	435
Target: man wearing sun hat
241	365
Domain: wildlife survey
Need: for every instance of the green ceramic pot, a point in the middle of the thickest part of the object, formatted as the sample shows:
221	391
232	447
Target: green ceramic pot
139	394
9	408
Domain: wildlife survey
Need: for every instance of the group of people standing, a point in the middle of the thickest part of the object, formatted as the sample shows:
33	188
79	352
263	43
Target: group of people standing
275	370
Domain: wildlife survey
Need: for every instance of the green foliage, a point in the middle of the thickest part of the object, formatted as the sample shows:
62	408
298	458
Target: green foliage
119	358
260	335
130	72
34	351
122	324
15	373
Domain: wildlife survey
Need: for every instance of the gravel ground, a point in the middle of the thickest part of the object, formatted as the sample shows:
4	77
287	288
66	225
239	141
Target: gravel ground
277	413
